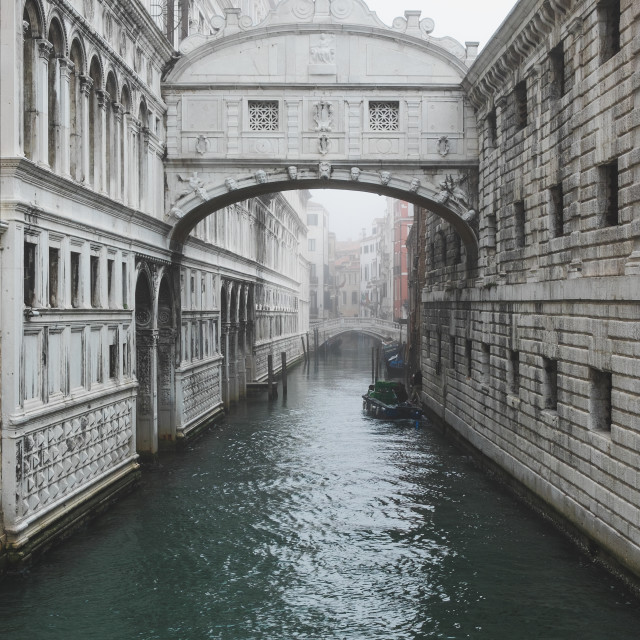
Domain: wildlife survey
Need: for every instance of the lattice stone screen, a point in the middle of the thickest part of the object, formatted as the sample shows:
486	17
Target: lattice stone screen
263	115
384	116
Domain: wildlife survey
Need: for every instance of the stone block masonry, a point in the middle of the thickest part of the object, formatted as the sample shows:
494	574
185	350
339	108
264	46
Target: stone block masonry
535	362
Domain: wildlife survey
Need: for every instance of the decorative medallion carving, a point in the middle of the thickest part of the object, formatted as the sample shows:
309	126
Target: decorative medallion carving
303	9
354	174
231	184
415	185
261	176
385	177
143	317
202	145
323	145
323	115
292	172
341	9
443	146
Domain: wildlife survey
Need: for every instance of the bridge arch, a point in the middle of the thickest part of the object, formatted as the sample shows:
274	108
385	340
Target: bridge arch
204	199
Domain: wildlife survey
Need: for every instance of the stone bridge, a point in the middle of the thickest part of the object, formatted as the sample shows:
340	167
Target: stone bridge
320	95
375	327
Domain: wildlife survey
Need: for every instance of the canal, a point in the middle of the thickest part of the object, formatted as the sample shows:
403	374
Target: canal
306	519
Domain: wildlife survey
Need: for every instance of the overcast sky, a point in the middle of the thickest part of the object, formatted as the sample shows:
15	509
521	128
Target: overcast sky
464	20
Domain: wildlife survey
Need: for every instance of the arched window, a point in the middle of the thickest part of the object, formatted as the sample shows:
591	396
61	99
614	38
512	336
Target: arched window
32	31
95	124
56	38
76	110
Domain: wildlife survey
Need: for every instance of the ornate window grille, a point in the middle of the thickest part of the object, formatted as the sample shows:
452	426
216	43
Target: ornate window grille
384	116
263	115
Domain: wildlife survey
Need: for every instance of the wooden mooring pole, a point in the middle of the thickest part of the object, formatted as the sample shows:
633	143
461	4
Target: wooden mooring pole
373	365
304	350
270	376
283	357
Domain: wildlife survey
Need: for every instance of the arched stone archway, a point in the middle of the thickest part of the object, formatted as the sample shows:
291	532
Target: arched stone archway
445	199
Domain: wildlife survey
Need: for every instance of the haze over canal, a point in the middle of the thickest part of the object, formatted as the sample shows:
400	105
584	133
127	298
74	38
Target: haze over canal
306	519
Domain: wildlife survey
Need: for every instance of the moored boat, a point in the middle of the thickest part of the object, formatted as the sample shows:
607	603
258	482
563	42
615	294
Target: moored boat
387	399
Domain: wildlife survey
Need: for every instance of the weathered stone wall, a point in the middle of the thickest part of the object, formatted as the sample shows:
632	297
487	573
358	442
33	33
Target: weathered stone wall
536	364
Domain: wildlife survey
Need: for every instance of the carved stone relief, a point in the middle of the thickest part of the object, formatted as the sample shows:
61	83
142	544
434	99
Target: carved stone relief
323	115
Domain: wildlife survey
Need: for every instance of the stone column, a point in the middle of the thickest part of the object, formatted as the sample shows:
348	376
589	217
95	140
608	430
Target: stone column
41	129
354	128
413	140
100	184
116	167
66	69
293	128
134	159
233	126
83	140
144	170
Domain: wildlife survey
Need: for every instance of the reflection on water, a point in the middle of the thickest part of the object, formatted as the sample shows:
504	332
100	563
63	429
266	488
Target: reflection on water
307	519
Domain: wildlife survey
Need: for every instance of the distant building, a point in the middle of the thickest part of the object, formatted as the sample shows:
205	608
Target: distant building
318	255
402	219
347	275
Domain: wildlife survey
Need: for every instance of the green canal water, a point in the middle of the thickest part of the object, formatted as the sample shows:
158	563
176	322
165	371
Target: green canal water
307	519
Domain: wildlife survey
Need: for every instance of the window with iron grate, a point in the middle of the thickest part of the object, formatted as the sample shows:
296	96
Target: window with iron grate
263	115
384	116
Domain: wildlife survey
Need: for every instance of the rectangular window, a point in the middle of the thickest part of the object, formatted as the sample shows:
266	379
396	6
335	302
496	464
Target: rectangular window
354	297
438	353
557	80
608	194
54	276
95	281
29	274
427	344
312	219
110	282
485	362
556	197
125	286
263	115
452	352
344	297
113	361
76	363
75	279
492	128
520	105
600	399
514	372
468	350
384	116
550	383
519	220
96	355
312	244
608	28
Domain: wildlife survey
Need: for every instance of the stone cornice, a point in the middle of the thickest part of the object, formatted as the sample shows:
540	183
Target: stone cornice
30	173
521	33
